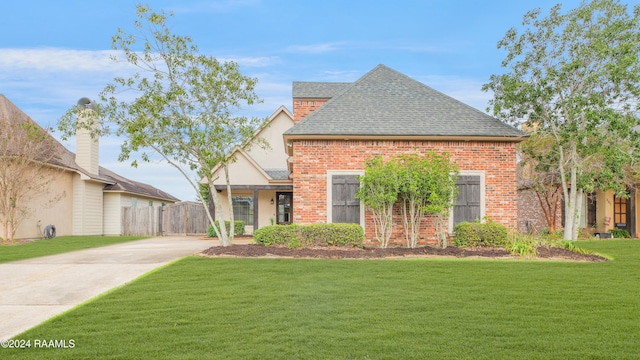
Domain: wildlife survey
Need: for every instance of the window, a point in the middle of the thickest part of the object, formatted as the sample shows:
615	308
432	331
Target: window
243	209
342	204
134	201
150	202
620	212
469	204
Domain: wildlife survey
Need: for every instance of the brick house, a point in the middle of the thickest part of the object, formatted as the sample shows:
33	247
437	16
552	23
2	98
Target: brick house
339	125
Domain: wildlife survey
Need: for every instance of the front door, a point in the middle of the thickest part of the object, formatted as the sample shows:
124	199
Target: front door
283	208
623	213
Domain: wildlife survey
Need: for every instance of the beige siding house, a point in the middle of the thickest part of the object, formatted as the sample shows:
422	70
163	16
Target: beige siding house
84	198
261	190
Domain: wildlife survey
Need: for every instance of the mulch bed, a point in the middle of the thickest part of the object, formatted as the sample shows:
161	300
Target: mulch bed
255	250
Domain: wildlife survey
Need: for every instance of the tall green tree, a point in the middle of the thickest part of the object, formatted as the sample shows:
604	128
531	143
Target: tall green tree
576	77
181	105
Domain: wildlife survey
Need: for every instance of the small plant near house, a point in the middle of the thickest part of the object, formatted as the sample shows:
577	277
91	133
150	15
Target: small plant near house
480	234
551	235
294	235
620	233
523	245
238	228
571	246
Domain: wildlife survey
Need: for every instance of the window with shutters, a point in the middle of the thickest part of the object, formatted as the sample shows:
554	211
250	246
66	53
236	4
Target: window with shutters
469	205
343	206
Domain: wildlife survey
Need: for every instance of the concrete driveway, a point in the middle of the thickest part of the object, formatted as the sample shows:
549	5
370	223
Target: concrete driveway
34	290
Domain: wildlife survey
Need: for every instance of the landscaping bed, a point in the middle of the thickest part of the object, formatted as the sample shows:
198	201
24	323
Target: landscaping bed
256	250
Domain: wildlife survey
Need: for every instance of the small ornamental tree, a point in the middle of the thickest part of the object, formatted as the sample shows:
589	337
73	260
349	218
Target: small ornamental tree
27	152
427	187
421	186
180	106
441	179
379	191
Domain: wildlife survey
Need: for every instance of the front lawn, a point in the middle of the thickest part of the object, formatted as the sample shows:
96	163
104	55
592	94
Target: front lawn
229	308
58	245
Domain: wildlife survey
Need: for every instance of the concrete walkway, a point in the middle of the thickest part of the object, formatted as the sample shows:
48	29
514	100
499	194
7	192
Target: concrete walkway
34	290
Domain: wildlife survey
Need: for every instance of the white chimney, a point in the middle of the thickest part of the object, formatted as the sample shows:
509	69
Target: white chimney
86	146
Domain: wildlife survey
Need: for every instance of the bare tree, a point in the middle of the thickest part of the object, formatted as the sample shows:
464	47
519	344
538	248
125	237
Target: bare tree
28	156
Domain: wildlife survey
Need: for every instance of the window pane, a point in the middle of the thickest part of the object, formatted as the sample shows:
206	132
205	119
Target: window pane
243	209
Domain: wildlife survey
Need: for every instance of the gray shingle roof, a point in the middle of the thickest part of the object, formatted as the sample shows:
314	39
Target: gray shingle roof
317	90
385	102
121	183
278	174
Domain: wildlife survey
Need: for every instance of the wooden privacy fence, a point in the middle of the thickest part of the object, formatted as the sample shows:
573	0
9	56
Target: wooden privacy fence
184	218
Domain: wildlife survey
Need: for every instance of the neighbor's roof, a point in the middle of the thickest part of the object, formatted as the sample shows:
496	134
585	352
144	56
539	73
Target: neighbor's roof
126	185
385	102
66	160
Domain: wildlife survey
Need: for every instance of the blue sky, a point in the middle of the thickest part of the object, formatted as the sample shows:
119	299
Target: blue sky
54	52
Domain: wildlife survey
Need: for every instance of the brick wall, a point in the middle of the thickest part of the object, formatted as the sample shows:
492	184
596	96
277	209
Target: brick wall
313	158
531	217
304	107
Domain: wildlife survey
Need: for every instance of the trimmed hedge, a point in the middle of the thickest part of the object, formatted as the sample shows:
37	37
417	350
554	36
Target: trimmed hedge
294	235
238	228
479	234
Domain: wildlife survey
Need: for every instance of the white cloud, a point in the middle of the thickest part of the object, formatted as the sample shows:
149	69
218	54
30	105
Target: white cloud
259	61
316	48
56	60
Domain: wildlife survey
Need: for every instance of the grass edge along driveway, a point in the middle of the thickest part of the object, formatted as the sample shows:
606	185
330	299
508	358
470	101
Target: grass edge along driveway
368	309
59	245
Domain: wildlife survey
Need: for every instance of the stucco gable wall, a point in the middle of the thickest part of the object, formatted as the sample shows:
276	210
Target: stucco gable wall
51	207
241	172
273	157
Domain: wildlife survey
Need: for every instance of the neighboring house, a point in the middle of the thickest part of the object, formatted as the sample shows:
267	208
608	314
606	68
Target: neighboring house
601	211
90	197
261	188
339	125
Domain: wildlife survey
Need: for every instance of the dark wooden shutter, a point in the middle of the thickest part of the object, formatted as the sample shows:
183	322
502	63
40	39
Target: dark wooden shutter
467	207
346	208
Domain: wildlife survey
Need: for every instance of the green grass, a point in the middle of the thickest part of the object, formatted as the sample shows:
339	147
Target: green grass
362	309
58	245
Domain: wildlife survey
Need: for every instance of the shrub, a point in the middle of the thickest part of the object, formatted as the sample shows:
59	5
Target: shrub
480	234
311	235
238	228
620	233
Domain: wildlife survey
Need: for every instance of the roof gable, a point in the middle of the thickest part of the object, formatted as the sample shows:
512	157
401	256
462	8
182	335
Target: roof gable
385	102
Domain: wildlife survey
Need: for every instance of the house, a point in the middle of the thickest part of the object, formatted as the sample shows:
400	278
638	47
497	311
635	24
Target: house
338	126
88	197
601	211
335	127
261	188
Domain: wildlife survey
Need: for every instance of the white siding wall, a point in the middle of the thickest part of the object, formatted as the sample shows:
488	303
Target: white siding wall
112	214
87	207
